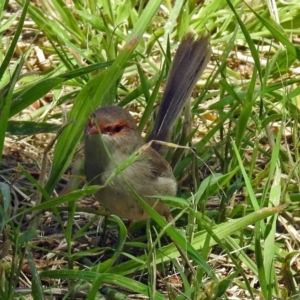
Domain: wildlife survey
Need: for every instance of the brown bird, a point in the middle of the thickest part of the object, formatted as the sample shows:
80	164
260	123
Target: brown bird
150	174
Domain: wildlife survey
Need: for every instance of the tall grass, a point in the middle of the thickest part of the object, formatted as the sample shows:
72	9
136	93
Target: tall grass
244	152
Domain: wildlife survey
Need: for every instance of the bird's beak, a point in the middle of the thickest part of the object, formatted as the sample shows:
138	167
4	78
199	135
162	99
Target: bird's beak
91	127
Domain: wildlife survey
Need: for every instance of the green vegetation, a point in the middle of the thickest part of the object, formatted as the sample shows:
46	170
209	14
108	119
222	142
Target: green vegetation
245	150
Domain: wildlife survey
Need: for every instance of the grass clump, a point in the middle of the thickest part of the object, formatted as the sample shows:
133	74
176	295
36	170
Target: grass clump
237	208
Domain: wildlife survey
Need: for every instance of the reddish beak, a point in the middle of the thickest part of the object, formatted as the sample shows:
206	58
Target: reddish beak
92	128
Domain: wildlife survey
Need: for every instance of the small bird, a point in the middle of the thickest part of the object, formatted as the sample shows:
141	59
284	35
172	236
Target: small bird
111	136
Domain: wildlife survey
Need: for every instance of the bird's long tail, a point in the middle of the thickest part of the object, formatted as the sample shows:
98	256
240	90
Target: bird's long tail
188	64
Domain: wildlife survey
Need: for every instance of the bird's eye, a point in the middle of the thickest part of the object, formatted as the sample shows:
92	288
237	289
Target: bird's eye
118	128
115	129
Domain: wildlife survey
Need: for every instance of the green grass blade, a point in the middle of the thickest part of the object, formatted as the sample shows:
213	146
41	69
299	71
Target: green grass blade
6	100
222	230
278	33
